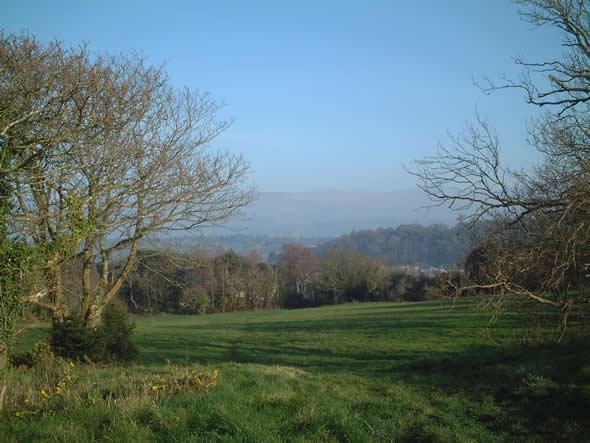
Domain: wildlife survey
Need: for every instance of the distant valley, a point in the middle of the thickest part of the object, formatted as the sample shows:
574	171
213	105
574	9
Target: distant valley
392	226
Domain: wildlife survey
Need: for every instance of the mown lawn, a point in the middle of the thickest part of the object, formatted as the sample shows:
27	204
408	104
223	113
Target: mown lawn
356	372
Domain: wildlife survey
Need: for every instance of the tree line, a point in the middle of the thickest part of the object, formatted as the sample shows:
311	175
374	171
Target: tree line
435	245
199	283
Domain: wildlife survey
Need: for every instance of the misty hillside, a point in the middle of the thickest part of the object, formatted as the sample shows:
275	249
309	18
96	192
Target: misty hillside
333	213
364	219
434	245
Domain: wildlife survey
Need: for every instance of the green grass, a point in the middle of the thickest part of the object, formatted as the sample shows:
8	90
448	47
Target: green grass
355	372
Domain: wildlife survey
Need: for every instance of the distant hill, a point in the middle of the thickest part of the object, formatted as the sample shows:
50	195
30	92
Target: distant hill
269	247
312	218
435	245
333	213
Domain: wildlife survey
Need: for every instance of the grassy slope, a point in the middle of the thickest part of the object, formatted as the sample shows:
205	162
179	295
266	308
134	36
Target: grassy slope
358	372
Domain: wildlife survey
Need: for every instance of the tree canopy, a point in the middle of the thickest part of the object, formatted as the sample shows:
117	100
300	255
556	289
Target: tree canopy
435	245
537	220
106	154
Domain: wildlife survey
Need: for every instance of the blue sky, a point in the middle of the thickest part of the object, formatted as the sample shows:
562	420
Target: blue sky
325	95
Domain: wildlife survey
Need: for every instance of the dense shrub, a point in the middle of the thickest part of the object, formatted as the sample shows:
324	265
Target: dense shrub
290	299
22	359
110	342
114	340
71	340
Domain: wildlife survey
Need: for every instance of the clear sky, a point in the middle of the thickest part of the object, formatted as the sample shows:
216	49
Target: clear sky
335	95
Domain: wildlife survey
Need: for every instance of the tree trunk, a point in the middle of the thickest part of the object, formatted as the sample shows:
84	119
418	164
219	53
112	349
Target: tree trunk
94	315
3	365
3	388
101	300
59	308
86	285
565	311
3	357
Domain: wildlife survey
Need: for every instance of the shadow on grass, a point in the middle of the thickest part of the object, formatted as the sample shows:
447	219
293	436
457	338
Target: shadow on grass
366	339
537	389
440	354
540	388
371	341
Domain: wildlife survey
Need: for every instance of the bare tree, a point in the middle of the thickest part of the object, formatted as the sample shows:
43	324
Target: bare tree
298	268
347	274
131	162
537	221
37	119
262	287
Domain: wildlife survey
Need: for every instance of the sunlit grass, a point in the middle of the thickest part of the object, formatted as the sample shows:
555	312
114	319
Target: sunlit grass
357	372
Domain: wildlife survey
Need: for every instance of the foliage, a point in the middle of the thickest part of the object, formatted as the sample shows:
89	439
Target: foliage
21	359
59	387
348	275
111	341
298	269
434	245
195	299
70	339
410	287
17	262
113	337
194	283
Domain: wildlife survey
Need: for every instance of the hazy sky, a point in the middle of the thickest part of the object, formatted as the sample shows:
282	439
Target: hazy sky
323	94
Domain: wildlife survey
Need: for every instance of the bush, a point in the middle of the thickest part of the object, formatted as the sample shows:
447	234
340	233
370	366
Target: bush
22	359
109	342
113	336
71	340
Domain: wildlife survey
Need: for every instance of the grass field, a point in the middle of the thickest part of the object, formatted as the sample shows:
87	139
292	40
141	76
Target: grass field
356	372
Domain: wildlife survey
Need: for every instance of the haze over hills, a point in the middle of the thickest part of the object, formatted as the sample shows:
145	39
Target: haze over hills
417	245
333	213
314	218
